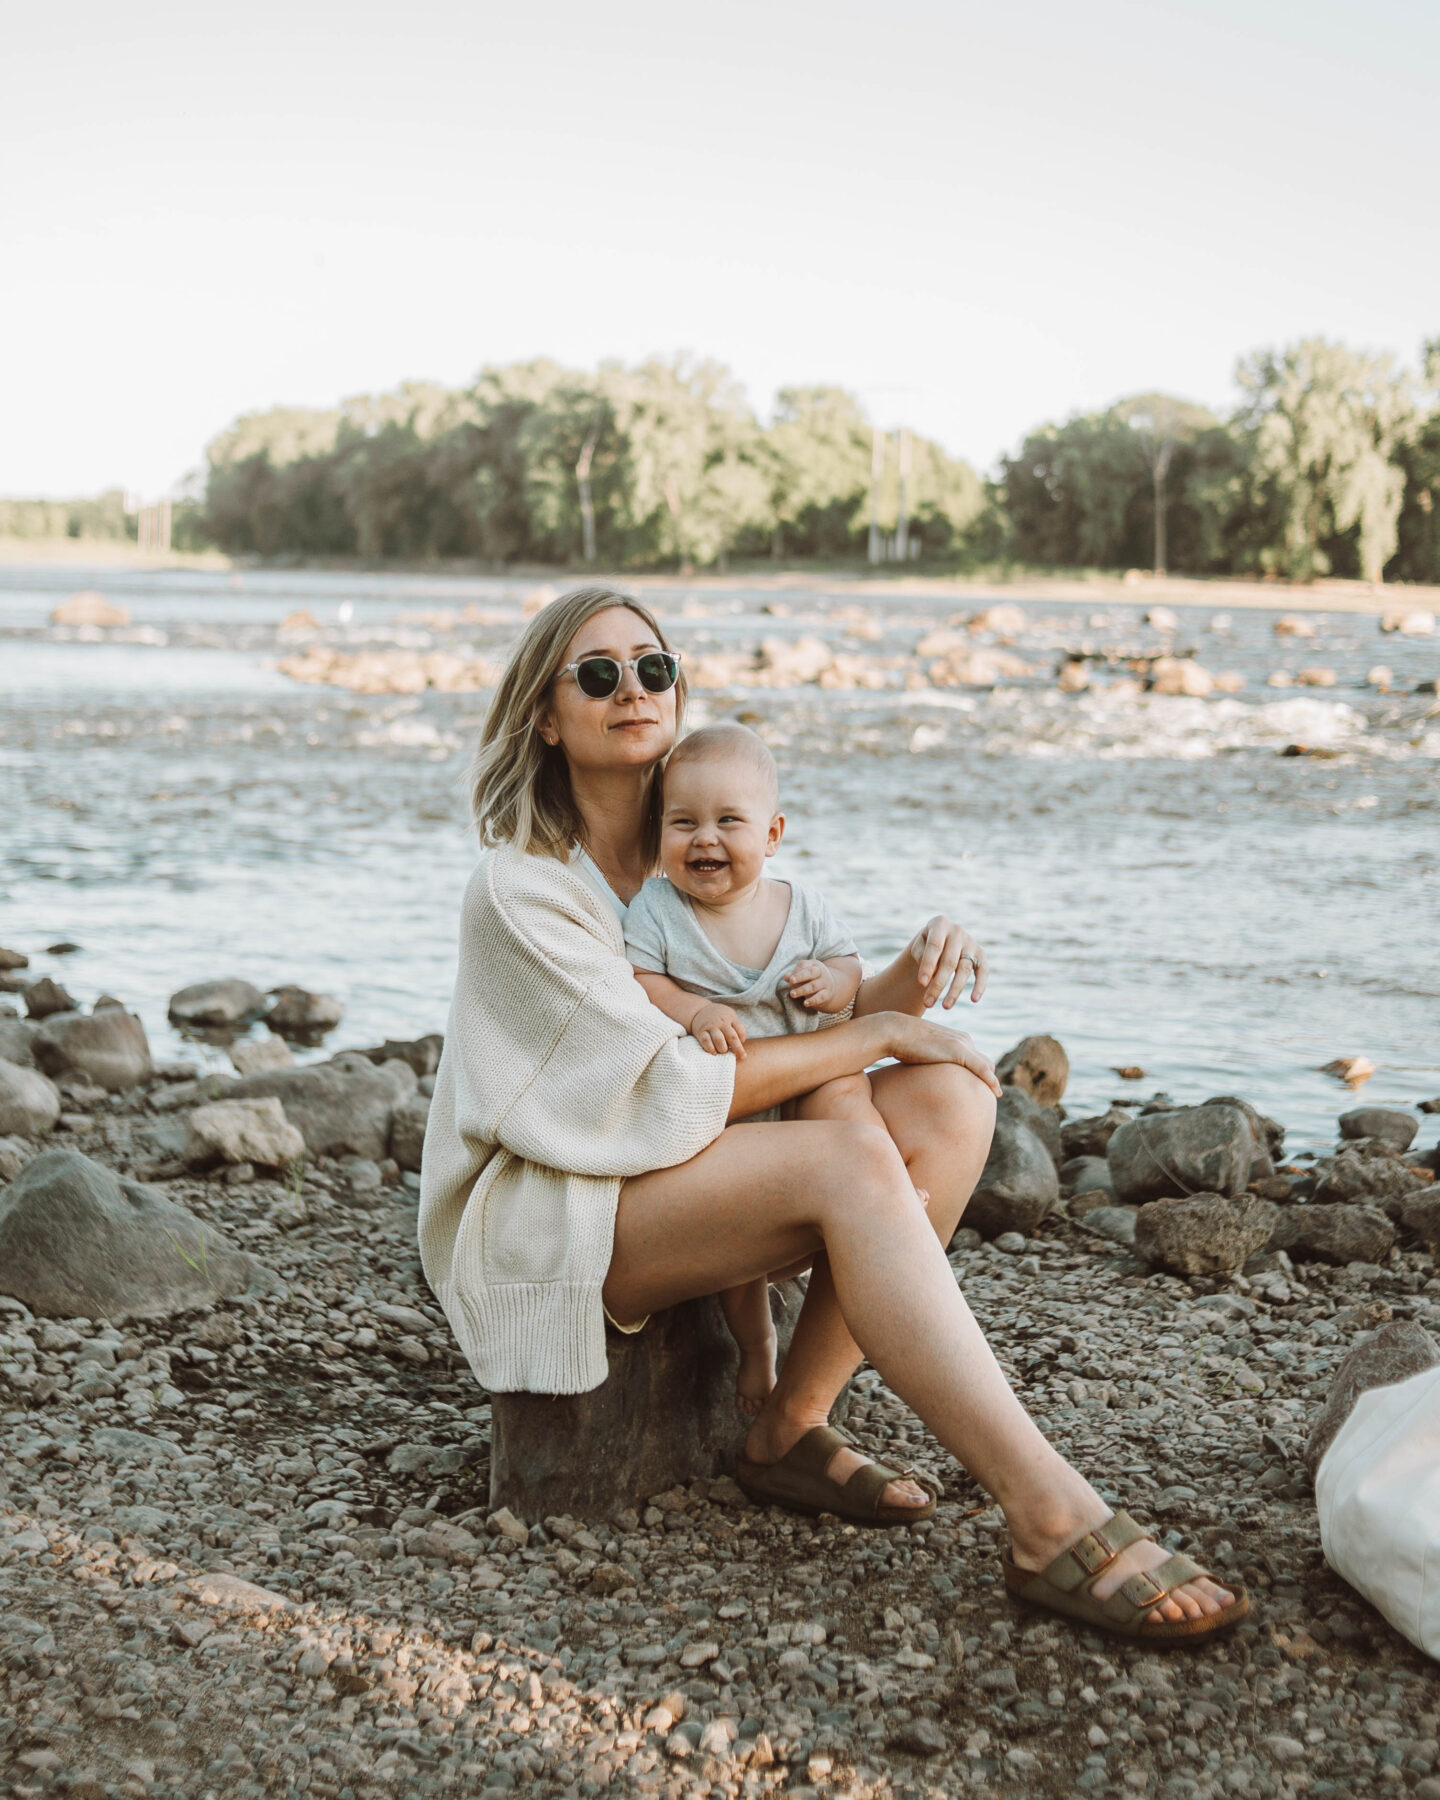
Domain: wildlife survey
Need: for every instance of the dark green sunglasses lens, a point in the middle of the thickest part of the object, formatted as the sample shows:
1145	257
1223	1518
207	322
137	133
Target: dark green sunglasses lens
657	671
597	677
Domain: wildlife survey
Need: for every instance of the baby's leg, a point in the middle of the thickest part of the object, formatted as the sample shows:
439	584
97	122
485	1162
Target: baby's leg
846	1098
747	1313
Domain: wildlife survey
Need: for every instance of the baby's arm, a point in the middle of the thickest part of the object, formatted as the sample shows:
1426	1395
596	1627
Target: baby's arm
827	986
715	1026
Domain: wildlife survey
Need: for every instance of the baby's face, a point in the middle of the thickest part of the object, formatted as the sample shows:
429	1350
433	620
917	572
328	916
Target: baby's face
718	826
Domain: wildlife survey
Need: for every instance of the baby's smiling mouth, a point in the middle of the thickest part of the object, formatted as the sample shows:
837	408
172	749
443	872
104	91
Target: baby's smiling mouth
706	865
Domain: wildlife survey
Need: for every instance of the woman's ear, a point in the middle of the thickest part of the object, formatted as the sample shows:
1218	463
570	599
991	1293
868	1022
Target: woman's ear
545	725
775	833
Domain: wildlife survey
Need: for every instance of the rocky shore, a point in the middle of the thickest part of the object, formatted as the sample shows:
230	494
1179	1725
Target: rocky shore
246	1540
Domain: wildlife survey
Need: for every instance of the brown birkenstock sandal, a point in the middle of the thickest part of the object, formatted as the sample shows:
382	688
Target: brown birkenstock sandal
1067	1586
798	1480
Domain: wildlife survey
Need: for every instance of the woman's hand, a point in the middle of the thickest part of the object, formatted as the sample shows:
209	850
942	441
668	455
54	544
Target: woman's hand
946	957
912	1040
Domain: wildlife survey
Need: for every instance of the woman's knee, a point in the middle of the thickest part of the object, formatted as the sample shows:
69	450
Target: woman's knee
862	1167
954	1106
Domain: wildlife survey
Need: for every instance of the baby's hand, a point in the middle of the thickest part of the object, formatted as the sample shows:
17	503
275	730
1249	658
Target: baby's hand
815	986
719	1029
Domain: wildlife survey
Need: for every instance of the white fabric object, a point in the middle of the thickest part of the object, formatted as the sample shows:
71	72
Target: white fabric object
585	864
1378	1494
558	1080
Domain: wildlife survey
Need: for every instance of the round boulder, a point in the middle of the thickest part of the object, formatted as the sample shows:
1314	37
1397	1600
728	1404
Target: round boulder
298	1013
1333	1234
1039	1065
342	1108
108	1046
1396	1130
1421	1214
1018	1185
77	1242
44	997
1090	1136
407	1132
242	1131
209	1004
29	1104
1203	1234
1190	1150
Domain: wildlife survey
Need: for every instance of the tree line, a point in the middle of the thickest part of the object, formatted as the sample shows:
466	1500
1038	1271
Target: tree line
1329	464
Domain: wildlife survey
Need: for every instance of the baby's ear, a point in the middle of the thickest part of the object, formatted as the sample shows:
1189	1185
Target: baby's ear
776	832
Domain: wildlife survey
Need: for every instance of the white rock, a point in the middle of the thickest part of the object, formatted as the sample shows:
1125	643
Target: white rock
241	1131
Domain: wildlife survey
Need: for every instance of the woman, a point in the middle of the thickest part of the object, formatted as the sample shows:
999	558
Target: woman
579	1163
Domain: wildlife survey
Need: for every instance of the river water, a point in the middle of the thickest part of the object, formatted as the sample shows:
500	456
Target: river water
1157	882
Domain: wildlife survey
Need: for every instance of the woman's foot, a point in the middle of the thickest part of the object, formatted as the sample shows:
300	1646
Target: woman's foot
772	1435
755	1381
1194	1600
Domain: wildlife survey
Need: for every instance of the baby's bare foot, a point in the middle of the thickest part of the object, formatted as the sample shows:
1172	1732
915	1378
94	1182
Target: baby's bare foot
756	1379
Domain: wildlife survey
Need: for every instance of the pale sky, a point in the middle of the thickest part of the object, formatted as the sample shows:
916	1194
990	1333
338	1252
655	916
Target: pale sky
979	217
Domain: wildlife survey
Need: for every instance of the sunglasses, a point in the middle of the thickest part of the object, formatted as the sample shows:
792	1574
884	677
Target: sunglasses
598	677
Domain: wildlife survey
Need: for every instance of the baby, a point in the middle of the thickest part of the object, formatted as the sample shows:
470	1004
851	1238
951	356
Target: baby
730	953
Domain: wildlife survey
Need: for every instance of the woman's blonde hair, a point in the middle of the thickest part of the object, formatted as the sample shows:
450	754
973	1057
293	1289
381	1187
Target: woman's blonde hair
520	785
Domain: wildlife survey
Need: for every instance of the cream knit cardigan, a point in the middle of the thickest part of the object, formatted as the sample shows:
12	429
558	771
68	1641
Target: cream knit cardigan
558	1079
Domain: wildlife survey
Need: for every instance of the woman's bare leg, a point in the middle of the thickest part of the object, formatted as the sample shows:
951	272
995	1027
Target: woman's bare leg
763	1196
941	1121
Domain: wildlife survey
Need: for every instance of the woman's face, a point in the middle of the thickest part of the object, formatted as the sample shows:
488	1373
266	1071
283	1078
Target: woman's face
632	728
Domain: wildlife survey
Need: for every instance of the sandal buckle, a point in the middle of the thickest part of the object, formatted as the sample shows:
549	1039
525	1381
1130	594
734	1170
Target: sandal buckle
1143	1591
1092	1553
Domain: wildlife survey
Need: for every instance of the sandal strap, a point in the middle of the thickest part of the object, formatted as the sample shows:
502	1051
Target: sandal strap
813	1453
869	1482
1150	1587
1093	1553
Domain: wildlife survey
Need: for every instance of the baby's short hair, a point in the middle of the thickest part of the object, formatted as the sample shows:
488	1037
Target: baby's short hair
720	743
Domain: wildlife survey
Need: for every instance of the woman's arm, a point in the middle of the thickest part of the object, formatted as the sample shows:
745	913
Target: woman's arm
776	1069
939	959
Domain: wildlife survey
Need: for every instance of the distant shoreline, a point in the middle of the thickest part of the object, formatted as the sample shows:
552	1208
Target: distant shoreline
1135	588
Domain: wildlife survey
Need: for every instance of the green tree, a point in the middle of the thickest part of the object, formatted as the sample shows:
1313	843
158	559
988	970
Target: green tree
1325	425
1162	423
1417	555
817	454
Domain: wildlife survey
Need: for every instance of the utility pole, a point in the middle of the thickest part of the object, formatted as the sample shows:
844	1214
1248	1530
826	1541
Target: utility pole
902	526
877	469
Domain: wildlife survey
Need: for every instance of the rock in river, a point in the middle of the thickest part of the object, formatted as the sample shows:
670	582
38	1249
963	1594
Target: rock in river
1191	1150
299	1013
342	1107
1203	1234
1396	1130
216	1003
78	1242
1333	1234
45	996
1018	1185
1039	1065
108	1046
29	1103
